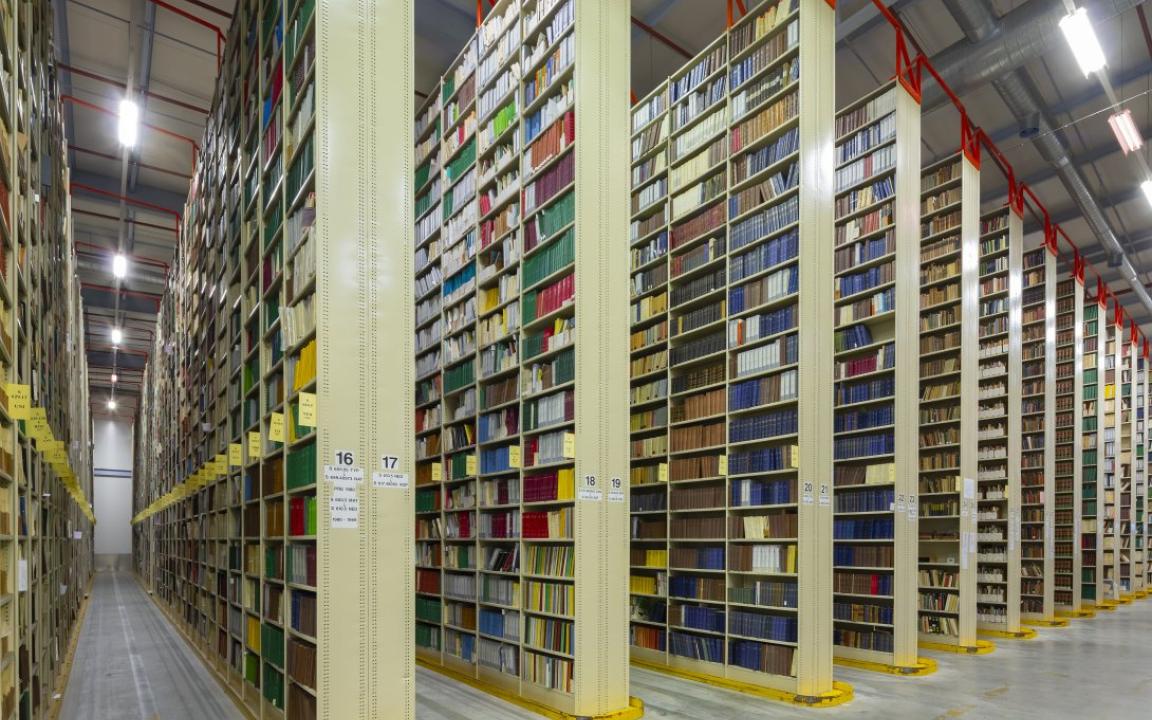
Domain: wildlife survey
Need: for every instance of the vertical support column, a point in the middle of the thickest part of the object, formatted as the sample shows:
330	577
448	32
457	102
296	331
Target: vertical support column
906	404
365	375
1077	449
1015	357
969	392
1049	435
603	48
817	113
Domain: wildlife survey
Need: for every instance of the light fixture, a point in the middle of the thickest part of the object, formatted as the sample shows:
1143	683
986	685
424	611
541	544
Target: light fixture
114	378
129	124
117	336
111	404
1127	134
1146	186
119	265
1077	29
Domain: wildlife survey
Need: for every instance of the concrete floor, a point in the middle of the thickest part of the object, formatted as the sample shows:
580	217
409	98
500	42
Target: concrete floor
131	664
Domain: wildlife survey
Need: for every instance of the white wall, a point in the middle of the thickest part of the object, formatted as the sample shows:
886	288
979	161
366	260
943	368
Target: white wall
112	463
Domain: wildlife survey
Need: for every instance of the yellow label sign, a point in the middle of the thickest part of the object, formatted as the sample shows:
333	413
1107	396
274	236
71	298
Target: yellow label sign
276	427
254	445
662	472
513	456
569	445
39	413
19	400
235	454
437	473
723	463
307	409
38	428
222	463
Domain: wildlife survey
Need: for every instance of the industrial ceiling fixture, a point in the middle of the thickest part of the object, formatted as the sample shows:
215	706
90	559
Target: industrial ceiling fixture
117	336
128	126
1077	29
119	265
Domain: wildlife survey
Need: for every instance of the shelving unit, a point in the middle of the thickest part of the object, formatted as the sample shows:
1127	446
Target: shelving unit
1069	399
998	469
1037	455
1125	459
1139	474
45	424
730	529
1109	590
949	403
877	191
1092	453
295	589
521	495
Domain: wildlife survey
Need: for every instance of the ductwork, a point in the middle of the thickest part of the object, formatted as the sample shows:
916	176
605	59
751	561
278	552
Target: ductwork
995	48
979	25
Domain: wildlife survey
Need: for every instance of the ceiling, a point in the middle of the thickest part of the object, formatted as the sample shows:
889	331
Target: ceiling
109	43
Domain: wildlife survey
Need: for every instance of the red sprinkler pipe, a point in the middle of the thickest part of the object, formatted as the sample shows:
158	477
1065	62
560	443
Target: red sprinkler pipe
199	21
123	86
98	108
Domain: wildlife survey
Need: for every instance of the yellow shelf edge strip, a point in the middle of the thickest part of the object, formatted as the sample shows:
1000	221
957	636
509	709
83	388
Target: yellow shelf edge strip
982	647
841	693
922	668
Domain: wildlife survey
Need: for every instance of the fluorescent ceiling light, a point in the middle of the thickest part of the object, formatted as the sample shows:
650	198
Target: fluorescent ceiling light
1146	186
111	404
117	336
114	378
120	264
1077	29
1127	134
129	124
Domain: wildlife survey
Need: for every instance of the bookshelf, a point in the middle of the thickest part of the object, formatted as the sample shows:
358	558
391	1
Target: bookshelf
45	422
949	403
521	495
998	469
1091	440
251	396
1109	589
1037	456
1125	467
1069	462
875	576
731	530
1139	473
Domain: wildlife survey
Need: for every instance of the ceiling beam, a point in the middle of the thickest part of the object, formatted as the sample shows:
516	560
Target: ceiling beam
150	194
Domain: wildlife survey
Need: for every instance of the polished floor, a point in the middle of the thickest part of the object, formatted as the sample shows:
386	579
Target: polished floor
132	665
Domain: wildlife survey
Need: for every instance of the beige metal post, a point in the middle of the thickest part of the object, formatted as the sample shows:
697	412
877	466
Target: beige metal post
364	368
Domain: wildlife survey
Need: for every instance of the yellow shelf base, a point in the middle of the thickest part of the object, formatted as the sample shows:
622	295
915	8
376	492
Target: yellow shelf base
923	666
1021	634
1124	599
1053	622
841	693
1082	613
1140	594
1105	605
634	711
982	647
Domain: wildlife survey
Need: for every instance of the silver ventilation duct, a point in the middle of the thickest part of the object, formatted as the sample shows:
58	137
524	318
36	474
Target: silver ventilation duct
980	25
1004	44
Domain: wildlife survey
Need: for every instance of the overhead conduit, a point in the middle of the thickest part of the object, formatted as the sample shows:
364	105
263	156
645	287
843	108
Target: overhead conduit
1012	43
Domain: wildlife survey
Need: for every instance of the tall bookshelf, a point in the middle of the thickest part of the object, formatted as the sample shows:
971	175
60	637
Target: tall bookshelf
877	186
1139	472
1109	590
1125	467
296	589
45	422
998	469
1037	457
1068	396
729	267
949	401
521	494
1091	441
